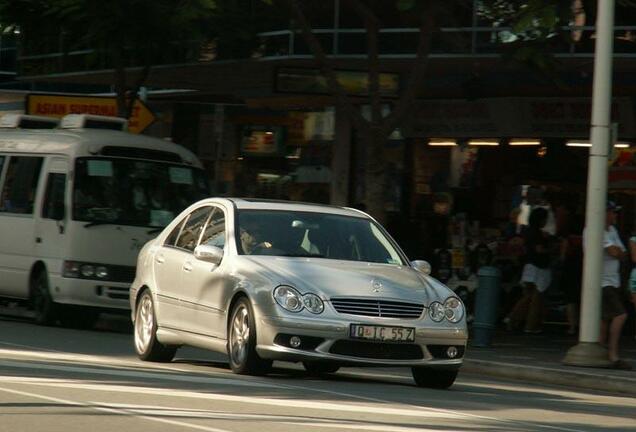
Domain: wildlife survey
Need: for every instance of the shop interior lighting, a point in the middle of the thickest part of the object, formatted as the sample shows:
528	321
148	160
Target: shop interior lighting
578	143
483	142
442	142
524	142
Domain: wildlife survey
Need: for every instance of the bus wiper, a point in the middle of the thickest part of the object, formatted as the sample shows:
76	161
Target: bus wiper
95	223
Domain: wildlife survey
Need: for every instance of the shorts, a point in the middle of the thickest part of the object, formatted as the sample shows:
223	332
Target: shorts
541	278
612	303
632	281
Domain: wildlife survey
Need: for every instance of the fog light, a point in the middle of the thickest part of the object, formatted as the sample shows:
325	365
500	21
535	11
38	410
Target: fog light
451	352
294	341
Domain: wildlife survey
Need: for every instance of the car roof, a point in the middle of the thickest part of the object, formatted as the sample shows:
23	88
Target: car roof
281	205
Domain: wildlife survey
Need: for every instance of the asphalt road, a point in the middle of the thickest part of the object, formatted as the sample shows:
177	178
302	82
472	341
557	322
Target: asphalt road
56	379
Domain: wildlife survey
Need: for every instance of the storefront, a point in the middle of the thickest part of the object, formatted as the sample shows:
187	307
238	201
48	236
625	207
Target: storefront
280	154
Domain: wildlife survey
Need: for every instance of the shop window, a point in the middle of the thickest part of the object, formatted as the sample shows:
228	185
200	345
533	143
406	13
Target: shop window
53	207
20	184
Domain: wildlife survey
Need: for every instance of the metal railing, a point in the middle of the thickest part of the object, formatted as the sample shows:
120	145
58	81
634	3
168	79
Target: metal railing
394	43
572	41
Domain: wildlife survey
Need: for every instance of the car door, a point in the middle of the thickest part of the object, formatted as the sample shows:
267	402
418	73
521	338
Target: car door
177	261
203	282
50	228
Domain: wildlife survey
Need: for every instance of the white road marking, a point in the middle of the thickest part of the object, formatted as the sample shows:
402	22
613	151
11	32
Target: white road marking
117	411
287	403
110	362
139	374
292	420
368	427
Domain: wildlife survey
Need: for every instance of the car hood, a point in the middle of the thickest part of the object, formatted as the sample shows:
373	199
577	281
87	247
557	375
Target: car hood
334	278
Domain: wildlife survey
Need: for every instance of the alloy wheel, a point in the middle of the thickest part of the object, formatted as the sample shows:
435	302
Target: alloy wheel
144	324
240	335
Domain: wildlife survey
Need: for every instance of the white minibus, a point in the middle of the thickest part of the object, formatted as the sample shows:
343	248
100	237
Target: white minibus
77	202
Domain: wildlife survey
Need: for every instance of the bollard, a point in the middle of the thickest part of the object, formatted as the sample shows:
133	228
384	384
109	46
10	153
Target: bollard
486	305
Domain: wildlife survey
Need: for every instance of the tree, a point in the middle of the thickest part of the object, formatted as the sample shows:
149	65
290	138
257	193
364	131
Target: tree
124	32
376	129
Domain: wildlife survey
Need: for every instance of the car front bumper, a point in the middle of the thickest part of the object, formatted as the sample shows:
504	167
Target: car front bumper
329	340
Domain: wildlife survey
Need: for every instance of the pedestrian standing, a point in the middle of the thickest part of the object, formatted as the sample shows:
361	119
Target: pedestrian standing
536	275
613	313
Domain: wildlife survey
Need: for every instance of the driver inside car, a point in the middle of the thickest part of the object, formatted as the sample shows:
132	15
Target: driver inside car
252	239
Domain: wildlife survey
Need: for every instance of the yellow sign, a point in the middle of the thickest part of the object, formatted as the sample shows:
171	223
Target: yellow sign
60	105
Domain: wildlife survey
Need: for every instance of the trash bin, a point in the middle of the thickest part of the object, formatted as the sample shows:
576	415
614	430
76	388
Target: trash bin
486	305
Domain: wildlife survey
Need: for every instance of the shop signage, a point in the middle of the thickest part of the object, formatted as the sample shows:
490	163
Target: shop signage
312	81
60	105
622	170
513	117
262	141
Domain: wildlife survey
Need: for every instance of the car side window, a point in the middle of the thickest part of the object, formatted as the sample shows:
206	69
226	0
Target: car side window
214	232
20	183
192	229
171	240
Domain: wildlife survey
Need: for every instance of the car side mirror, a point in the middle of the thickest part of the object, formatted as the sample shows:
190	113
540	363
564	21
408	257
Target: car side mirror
207	253
421	266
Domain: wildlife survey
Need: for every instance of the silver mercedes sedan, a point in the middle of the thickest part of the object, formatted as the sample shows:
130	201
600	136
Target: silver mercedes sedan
275	280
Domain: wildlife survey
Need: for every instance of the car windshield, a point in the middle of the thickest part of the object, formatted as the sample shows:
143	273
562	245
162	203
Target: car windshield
133	192
308	234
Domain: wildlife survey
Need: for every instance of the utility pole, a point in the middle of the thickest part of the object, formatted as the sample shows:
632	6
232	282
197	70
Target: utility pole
589	352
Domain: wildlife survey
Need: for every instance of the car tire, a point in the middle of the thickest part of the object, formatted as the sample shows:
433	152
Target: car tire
145	332
434	377
316	368
46	310
241	347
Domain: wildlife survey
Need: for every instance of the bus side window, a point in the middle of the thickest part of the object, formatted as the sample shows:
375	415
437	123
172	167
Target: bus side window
20	183
53	207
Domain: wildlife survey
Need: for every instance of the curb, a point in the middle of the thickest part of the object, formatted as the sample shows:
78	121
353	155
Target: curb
570	378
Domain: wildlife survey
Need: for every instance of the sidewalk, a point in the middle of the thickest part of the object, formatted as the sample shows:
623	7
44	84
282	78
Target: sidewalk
537	358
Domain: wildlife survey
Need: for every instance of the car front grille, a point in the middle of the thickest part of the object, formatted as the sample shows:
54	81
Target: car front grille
377	350
377	308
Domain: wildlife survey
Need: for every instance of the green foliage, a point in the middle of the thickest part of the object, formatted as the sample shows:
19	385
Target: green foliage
143	27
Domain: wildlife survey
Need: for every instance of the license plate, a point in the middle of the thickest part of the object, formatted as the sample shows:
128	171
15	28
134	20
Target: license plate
382	333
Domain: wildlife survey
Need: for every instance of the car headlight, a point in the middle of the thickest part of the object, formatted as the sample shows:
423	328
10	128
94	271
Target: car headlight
313	303
101	272
288	298
87	270
454	309
436	311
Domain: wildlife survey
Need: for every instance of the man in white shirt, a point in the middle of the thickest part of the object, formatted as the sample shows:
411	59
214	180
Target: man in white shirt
613	312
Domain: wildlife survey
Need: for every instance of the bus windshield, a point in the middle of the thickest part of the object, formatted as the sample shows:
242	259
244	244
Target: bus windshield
134	192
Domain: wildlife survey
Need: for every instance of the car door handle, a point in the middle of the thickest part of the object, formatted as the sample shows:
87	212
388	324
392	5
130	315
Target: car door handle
160	259
187	266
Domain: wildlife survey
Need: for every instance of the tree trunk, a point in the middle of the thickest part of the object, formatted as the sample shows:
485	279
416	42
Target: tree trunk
375	174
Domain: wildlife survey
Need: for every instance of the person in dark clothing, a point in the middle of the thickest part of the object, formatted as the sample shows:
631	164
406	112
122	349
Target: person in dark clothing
536	276
572	269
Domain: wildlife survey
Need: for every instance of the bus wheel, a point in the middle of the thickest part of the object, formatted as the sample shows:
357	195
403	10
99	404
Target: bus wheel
46	310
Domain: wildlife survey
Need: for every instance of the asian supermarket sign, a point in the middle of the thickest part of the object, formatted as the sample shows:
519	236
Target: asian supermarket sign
61	105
